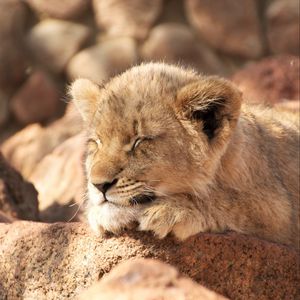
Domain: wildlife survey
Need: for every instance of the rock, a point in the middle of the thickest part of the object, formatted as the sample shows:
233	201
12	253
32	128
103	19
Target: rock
26	148
132	18
54	42
230	26
147	279
4	112
176	43
60	187
66	9
13	60
59	261
37	100
270	80
104	60
18	198
283	26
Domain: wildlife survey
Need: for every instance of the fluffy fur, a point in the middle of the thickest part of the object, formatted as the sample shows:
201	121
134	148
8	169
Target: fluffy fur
178	152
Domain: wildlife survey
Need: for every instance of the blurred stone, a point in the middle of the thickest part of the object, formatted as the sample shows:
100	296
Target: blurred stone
60	9
13	60
147	279
37	100
270	80
61	186
4	112
18	198
58	261
104	60
54	42
132	18
283	18
231	26
176	43
27	148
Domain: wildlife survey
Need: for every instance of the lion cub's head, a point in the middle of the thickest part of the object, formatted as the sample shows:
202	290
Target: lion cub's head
153	131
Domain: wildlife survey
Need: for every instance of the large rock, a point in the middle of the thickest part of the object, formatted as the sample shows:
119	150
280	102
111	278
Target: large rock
132	18
13	60
18	198
54	42
176	43
148	280
104	60
28	147
59	180
58	261
37	100
270	80
60	9
283	17
231	26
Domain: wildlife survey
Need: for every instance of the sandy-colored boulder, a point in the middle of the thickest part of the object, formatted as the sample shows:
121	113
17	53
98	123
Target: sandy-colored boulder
132	18
60	9
25	149
59	261
13	60
37	100
271	80
283	30
147	279
231	26
53	42
103	60
177	44
18	198
59	180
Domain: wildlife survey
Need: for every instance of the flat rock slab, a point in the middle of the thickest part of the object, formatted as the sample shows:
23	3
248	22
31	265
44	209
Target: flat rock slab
59	261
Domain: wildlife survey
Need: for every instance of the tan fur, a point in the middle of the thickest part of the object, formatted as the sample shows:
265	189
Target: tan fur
212	163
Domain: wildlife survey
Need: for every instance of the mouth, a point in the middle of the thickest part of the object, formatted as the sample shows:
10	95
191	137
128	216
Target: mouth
142	199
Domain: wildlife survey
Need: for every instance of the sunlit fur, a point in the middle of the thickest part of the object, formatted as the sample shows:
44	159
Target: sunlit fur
242	176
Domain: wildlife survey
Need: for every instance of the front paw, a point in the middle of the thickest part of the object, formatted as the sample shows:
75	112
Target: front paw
158	218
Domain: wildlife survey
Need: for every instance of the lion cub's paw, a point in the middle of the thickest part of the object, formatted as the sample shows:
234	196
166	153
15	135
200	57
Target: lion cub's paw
159	219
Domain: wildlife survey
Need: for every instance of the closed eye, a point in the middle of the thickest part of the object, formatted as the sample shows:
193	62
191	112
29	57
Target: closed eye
139	140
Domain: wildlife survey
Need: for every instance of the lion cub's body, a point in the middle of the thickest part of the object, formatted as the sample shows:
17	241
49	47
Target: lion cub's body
177	152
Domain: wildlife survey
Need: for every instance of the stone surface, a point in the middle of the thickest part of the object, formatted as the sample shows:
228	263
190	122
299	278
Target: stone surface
13	60
60	9
283	17
176	43
147	279
60	187
58	261
26	148
18	198
270	80
37	100
132	18
231	26
53	42
104	60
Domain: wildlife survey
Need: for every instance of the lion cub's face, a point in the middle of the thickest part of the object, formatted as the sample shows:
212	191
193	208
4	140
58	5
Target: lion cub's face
154	131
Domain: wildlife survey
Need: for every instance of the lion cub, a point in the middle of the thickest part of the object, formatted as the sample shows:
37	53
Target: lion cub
175	151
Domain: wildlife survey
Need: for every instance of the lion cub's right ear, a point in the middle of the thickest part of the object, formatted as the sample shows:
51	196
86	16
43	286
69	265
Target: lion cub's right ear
85	95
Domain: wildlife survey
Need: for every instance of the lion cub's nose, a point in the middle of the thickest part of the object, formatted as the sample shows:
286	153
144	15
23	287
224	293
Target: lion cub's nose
103	187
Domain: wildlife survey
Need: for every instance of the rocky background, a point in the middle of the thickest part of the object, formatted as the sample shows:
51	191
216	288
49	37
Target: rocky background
44	45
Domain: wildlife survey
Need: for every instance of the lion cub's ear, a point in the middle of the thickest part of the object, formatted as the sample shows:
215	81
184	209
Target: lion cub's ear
85	95
213	101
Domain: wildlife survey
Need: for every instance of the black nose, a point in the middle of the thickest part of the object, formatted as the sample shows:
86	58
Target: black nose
103	187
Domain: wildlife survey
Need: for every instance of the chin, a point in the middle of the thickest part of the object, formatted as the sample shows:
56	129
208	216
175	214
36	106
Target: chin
110	217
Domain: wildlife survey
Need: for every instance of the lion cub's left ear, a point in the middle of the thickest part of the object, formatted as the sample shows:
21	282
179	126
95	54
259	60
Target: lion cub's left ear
85	95
212	102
